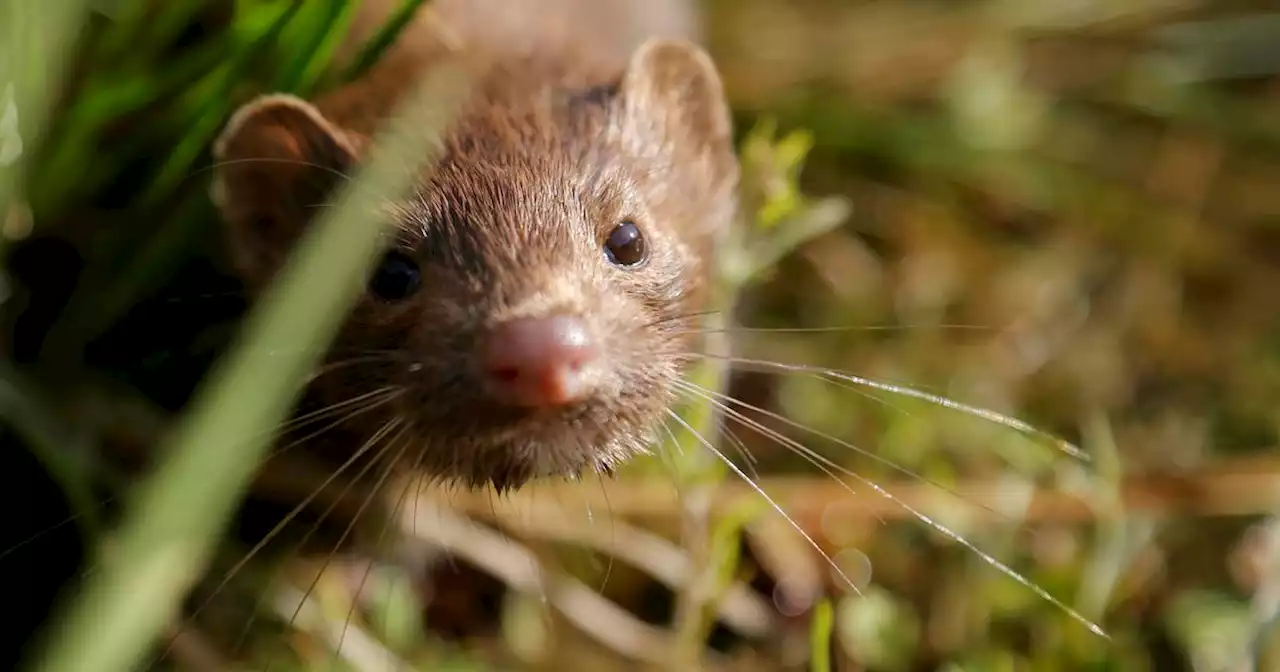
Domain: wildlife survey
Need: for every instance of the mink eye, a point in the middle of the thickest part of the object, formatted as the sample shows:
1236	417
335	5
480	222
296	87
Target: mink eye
396	278
625	245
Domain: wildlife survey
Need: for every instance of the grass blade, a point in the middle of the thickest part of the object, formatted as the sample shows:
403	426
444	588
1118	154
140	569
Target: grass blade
383	39
171	525
820	637
37	40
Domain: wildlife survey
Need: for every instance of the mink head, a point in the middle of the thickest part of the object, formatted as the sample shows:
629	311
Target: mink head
534	306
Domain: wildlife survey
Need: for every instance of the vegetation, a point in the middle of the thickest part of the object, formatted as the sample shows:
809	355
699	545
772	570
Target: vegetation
1066	216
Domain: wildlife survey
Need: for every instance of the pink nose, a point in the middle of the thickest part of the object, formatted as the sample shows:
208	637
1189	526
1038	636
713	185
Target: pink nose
544	361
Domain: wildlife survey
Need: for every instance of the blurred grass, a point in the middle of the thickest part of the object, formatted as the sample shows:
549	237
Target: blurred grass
36	44
1094	190
180	511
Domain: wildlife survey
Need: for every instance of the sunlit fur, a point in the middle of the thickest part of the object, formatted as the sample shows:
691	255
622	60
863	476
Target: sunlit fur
541	165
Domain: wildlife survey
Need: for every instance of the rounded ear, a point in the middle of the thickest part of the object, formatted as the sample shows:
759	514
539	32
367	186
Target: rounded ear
674	103
673	95
276	161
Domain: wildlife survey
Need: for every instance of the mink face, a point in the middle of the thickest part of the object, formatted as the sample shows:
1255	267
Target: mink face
532	310
534	298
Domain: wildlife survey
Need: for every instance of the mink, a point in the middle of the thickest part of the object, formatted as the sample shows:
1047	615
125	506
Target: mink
537	300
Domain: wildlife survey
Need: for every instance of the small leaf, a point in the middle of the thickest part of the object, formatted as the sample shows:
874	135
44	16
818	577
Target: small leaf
395	609
792	151
820	637
524	626
878	630
813	221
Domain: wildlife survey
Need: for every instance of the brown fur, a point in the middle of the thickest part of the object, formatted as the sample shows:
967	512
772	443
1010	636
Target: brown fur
561	142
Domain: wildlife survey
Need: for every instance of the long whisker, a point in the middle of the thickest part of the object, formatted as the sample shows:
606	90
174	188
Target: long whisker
288	517
386	472
373	440
682	317
305	418
819	460
693	390
700	393
50	529
760	491
342	364
295	162
740	447
391	395
285	520
675	443
855	328
386	527
613	531
989	415
709	394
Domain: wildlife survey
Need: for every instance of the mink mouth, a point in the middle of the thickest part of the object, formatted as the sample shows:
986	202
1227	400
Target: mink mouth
510	456
478	418
481	444
575	429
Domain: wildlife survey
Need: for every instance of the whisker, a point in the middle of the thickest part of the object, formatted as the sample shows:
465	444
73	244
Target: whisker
52	528
287	518
763	431
295	162
613	531
704	392
855	328
299	420
342	364
359	411
337	350
386	526
386	472
675	443
989	415
662	321
815	458
741	447
382	535
372	441
760	491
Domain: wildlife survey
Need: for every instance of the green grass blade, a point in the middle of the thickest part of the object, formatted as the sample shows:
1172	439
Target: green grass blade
36	39
820	637
215	108
383	39
171	525
322	41
113	288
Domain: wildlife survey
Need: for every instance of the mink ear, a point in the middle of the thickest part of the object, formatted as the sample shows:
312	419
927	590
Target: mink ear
275	163
674	100
672	89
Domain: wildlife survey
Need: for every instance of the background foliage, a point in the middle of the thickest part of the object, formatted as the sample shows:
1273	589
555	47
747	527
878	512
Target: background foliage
1067	213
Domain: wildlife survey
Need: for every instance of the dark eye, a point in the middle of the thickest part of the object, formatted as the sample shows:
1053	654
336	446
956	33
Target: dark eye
625	245
396	278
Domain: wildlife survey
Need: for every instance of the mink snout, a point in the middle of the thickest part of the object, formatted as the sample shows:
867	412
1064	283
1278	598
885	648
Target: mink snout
540	361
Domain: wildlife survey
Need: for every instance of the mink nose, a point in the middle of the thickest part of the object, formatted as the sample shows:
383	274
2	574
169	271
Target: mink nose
542	361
